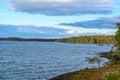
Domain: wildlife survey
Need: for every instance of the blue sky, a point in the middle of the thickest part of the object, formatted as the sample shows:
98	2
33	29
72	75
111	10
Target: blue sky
58	18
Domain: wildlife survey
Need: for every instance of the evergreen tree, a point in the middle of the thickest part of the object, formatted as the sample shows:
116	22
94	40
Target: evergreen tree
117	37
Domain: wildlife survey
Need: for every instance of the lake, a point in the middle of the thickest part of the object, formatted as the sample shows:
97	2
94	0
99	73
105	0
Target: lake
44	60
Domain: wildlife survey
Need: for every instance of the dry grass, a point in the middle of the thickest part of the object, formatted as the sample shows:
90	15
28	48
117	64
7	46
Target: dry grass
89	74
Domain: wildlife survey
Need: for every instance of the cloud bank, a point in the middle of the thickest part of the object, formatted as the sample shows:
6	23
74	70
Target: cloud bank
102	23
61	7
28	31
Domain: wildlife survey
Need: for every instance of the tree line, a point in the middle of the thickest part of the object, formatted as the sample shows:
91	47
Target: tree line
97	39
27	39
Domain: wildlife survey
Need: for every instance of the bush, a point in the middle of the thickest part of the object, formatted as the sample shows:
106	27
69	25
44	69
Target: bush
112	76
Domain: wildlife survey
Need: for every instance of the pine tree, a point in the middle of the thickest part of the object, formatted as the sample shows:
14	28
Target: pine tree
117	37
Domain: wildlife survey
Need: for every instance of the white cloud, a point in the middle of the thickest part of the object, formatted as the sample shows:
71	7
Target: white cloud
61	7
71	32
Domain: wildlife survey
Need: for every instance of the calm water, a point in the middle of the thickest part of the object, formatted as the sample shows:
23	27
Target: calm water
44	60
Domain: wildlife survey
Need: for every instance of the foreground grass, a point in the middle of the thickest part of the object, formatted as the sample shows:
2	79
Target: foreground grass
90	74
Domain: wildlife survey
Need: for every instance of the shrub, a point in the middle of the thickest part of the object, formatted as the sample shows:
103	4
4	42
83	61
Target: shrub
112	76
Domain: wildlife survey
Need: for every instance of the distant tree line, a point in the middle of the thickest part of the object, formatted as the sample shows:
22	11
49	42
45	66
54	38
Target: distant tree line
97	39
27	39
81	39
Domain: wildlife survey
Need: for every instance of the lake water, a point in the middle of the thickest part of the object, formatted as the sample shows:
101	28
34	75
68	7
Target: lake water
44	60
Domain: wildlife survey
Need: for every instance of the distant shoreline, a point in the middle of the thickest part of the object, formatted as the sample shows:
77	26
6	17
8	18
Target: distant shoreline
96	39
27	39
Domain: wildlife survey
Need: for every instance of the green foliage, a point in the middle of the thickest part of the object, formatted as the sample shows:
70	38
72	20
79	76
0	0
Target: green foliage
81	39
117	38
114	58
112	76
118	33
90	39
114	54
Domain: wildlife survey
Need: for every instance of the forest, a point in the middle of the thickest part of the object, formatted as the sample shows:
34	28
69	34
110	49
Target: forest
97	39
27	39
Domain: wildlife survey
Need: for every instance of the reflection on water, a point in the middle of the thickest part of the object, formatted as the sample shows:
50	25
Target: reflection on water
43	60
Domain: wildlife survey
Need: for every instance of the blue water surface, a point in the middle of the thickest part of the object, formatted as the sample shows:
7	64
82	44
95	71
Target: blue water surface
44	60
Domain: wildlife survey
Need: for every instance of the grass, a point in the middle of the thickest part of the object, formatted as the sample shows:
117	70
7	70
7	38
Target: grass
113	76
103	73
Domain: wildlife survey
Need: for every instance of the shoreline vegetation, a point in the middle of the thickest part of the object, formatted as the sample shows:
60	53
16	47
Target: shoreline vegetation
96	39
27	39
91	74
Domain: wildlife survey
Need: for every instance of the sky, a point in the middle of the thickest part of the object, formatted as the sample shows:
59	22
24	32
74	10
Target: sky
58	18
